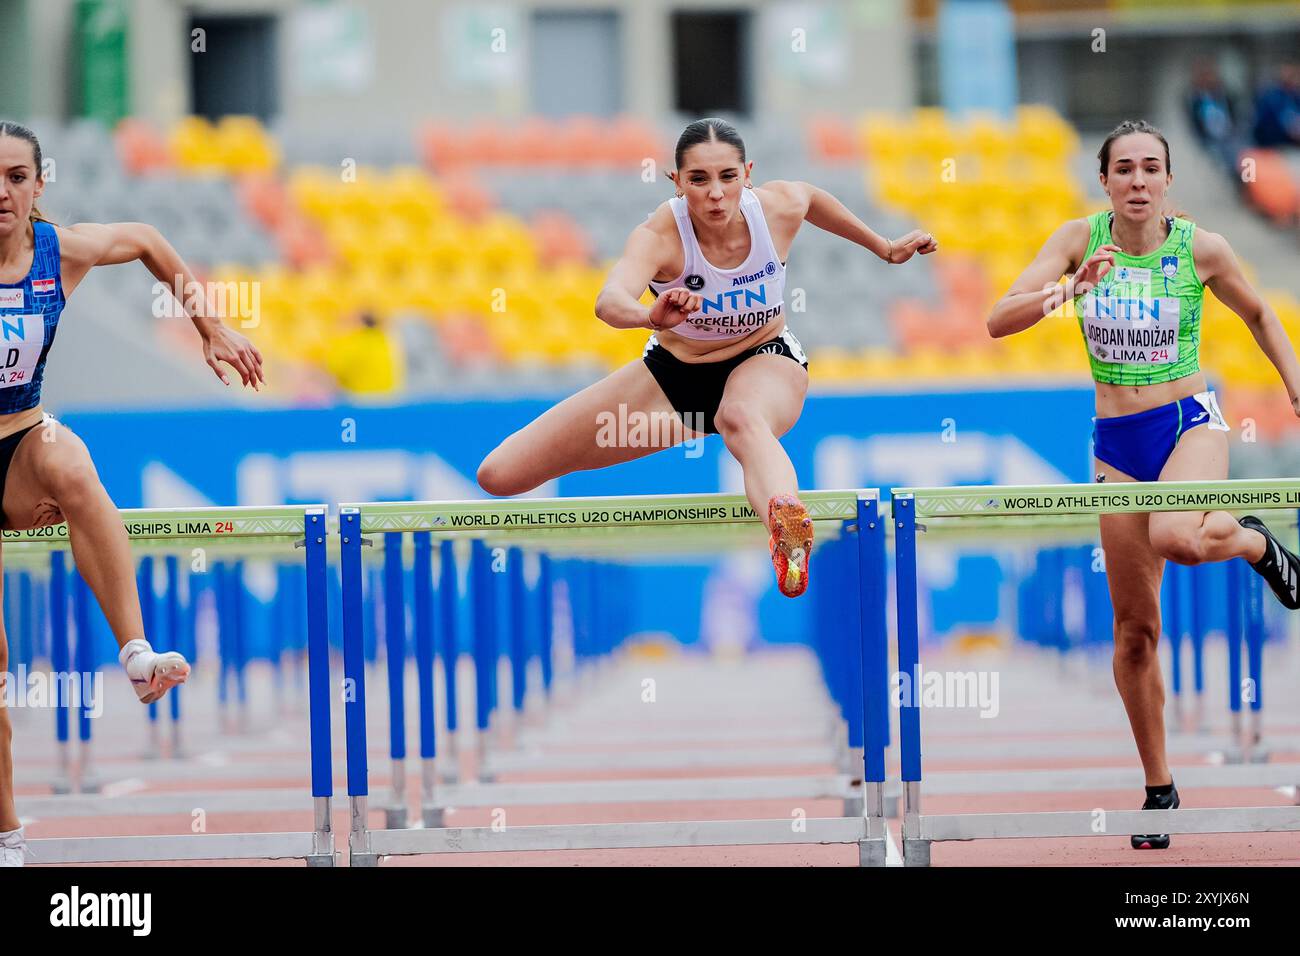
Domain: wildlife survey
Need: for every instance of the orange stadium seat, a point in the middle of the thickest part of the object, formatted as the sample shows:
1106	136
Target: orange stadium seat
832	139
265	199
581	142
631	141
558	239
445	147
301	243
534	143
467	197
1273	191
486	142
141	148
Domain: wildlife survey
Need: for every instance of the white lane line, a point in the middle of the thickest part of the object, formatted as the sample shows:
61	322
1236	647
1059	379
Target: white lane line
120	788
892	856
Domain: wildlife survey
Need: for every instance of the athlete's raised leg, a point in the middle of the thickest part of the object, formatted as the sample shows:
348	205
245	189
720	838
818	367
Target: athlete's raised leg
622	417
760	403
1190	537
52	479
1194	537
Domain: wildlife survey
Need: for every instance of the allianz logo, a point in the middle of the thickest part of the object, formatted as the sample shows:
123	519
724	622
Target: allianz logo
769	269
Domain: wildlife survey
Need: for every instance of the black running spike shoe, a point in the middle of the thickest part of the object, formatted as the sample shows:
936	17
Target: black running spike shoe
1279	567
1156	801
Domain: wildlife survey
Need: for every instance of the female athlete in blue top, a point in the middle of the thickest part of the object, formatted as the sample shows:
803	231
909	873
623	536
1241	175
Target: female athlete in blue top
46	474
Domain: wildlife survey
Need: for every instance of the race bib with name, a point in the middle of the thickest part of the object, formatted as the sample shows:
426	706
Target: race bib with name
1132	329
22	337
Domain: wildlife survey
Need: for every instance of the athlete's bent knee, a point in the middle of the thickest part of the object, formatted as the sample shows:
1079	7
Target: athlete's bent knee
1135	641
733	419
73	484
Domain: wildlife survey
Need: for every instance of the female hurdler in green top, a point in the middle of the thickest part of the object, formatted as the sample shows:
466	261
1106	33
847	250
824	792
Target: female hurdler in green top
1136	275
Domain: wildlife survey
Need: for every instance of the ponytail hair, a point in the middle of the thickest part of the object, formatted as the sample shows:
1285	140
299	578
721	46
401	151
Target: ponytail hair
18	131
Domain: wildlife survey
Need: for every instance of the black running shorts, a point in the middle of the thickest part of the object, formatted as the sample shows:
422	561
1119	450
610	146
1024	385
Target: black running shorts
695	388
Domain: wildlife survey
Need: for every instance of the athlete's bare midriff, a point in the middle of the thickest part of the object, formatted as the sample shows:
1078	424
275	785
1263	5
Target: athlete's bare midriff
1116	400
695	350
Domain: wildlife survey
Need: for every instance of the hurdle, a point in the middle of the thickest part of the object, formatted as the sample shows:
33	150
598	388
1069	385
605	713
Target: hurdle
675	523
529	611
1036	615
224	531
988	508
665	750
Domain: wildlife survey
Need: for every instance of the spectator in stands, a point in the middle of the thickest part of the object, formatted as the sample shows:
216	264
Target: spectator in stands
1277	110
366	360
1215	116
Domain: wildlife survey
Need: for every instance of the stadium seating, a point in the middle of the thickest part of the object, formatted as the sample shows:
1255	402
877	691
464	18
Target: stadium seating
484	246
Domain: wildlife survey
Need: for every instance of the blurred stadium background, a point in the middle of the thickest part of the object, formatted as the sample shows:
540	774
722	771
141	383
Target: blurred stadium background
423	198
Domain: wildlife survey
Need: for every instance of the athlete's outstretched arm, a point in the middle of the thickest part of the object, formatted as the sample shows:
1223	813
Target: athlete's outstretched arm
1037	291
618	303
87	245
1219	269
817	206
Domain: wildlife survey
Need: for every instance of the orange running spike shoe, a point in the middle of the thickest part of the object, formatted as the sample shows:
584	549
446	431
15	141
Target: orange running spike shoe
791	543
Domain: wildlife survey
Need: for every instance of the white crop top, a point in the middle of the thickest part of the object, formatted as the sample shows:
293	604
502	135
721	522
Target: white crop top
736	301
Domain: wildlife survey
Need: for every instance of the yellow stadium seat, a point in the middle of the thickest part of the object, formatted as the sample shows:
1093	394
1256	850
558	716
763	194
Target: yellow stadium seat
883	138
193	143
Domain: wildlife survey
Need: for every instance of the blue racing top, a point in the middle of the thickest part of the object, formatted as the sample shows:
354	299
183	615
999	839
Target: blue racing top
29	317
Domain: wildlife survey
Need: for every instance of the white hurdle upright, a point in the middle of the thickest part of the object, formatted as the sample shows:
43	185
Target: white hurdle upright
1062	507
612	525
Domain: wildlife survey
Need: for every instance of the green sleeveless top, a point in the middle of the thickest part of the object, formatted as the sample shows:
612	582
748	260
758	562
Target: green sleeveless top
1142	323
